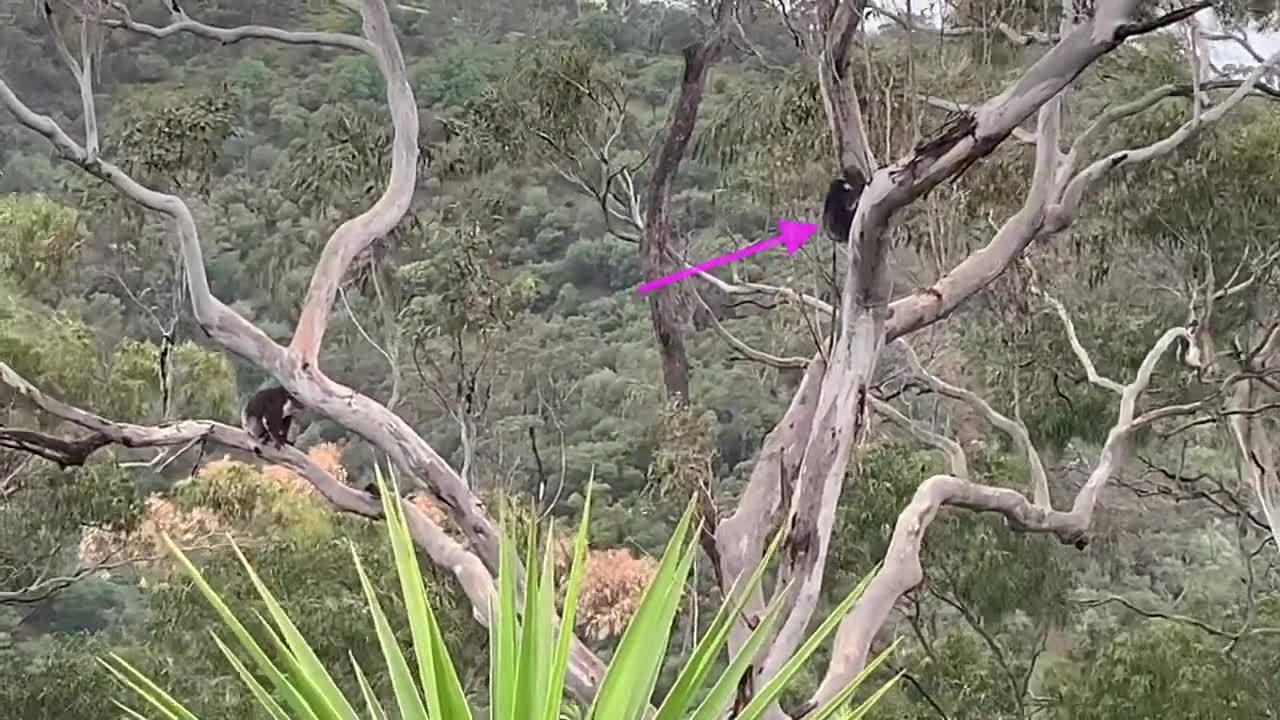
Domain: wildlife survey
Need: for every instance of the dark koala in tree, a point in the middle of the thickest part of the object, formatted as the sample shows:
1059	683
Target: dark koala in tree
838	210
268	415
842	203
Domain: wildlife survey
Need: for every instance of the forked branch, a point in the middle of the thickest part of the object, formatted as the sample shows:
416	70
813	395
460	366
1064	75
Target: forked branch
902	570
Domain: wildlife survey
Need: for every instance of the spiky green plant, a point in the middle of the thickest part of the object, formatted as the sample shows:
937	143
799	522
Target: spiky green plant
528	659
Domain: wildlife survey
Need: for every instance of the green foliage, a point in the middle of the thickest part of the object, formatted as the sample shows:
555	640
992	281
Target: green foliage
38	239
1158	669
28	693
177	138
203	382
42	516
771	131
557	93
547	302
686	453
56	350
345	163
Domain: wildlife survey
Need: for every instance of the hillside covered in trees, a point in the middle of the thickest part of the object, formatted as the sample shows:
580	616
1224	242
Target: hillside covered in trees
1034	395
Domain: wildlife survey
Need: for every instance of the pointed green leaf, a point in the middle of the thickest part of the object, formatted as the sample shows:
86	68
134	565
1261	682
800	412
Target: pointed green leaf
129	711
444	694
259	693
774	687
703	658
335	705
370	702
503	628
560	664
628	681
407	695
838	701
281	684
162	701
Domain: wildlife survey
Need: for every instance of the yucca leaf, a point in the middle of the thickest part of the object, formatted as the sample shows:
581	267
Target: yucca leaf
502	633
128	676
838	701
622	694
281	684
444	694
370	702
129	711
722	692
335	705
408	697
775	685
259	693
545	618
528	657
871	702
703	658
293	670
560	662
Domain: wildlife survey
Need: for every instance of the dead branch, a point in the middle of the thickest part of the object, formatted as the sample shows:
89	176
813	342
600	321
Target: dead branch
656	242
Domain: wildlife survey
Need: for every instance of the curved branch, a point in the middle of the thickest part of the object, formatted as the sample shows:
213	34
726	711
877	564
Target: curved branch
230	36
1014	429
1091	371
927	306
1074	192
296	368
902	570
750	352
359	232
956	461
223	324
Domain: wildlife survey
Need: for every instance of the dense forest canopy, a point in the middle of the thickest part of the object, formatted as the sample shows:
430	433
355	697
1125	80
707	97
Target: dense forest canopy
1034	392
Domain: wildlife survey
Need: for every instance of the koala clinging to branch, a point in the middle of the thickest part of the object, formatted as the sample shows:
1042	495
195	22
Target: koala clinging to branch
268	415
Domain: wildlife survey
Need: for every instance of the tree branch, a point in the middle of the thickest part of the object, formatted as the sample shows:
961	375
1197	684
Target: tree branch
359	232
902	571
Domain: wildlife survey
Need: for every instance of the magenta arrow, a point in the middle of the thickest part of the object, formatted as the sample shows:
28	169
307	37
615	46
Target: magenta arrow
794	236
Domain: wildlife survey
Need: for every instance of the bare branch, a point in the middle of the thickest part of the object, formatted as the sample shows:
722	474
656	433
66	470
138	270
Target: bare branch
1257	451
1244	632
1014	36
1095	172
957	464
742	347
1022	136
1014	429
1076	346
296	368
230	36
975	272
443	550
902	570
359	232
657	238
